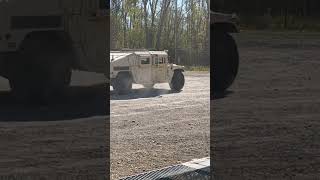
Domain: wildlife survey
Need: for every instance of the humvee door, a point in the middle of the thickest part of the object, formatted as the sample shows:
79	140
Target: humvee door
88	24
144	71
159	68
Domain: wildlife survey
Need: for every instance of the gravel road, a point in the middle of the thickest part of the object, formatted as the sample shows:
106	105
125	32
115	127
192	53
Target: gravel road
157	128
267	126
63	140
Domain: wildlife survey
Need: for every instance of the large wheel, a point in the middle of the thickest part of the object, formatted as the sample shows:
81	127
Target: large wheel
41	70
123	83
225	61
177	81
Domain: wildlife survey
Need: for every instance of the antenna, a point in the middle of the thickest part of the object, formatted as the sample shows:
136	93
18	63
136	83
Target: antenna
175	31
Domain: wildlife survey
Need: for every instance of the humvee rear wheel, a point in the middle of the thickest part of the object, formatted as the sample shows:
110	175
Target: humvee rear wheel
177	81
123	83
225	61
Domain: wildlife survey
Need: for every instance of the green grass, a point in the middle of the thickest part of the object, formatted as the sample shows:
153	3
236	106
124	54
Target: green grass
197	68
276	23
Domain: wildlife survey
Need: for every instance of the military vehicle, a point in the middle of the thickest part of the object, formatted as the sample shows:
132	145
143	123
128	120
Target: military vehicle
143	67
225	56
41	42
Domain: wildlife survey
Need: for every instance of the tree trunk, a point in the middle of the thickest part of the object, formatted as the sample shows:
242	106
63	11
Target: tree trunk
164	9
146	29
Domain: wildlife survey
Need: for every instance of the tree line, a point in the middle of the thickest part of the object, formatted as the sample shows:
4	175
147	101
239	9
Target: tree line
180	26
284	13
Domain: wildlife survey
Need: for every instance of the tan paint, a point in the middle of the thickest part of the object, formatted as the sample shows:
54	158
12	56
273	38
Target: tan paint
86	24
145	74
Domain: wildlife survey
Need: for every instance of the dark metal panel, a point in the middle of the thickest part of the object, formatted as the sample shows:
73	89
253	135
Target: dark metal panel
35	22
121	68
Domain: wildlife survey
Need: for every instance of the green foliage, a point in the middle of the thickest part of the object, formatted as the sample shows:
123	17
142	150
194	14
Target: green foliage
198	68
158	24
301	15
297	23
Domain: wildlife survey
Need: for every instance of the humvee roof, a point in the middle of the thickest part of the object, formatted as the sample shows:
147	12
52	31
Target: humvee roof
116	55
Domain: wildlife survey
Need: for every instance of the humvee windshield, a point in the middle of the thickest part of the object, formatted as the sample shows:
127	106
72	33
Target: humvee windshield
156	60
159	60
145	61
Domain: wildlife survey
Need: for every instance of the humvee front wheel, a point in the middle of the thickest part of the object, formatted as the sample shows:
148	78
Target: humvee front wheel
177	81
41	70
225	61
123	83
40	85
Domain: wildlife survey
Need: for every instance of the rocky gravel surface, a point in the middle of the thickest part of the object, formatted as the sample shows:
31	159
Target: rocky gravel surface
267	125
155	128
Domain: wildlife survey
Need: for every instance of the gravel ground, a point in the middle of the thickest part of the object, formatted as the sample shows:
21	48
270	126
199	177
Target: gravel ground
267	126
64	139
156	128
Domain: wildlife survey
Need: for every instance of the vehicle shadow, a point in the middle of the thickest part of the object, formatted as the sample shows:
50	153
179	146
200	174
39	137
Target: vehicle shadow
79	102
219	95
140	93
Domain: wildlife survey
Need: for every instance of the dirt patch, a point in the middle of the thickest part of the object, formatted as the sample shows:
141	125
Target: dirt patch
268	127
59	141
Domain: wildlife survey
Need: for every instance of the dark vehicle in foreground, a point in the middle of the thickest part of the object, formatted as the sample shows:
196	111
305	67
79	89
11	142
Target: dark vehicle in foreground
224	51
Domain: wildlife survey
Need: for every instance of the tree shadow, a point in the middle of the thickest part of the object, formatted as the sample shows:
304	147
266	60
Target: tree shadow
140	93
219	95
78	102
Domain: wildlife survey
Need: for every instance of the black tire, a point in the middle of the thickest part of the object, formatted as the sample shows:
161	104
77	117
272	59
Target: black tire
177	81
123	83
225	61
42	70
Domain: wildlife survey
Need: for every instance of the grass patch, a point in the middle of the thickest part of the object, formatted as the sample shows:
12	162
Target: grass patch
276	23
197	68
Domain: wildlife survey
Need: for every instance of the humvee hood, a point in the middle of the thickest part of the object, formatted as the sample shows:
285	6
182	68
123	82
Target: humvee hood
221	17
114	56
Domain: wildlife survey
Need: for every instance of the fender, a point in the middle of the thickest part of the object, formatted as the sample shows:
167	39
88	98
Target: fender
224	22
173	68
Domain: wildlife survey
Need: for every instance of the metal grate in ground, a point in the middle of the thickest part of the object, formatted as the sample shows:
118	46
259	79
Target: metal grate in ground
198	169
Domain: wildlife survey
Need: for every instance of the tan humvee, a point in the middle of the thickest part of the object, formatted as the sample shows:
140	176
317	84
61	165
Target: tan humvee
143	67
42	41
